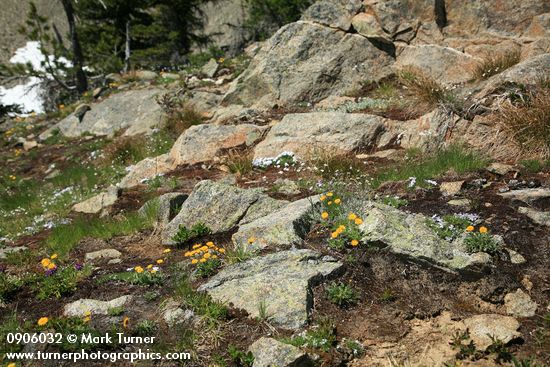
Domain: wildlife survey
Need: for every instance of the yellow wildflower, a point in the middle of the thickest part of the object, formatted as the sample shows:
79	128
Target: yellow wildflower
12	364
125	322
187	254
207	256
204	248
334	234
210	244
483	229
54	256
337	201
45	262
138	269
323	198
324	215
214	256
149	266
196	246
329	194
352	216
358	221
160	261
222	250
42	321
251	240
166	250
153	271
470	228
194	261
203	260
51	266
354	243
329	203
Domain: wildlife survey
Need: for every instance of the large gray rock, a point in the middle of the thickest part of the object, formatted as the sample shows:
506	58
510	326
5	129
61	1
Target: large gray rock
105	254
282	228
408	235
147	169
443	64
203	143
80	307
305	61
333	13
542	218
483	327
339	132
527	195
269	352
263	206
217	205
5	252
134	110
97	203
519	304
281	282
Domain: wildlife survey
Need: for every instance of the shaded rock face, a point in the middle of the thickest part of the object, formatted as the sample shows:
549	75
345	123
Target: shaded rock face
281	282
167	204
333	61
408	235
224	22
217	205
135	110
269	352
282	228
336	131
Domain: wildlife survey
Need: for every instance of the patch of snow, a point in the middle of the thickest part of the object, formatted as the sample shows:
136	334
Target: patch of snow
27	95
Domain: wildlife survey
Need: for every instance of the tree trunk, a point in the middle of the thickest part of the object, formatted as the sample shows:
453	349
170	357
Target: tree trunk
440	13
78	58
127	48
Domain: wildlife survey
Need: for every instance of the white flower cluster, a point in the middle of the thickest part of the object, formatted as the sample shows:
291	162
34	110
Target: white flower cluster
269	161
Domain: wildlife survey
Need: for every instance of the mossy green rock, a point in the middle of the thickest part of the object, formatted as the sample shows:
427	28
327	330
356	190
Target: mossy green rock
280	283
408	235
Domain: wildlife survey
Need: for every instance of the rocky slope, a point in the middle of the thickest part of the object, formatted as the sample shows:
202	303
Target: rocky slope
317	209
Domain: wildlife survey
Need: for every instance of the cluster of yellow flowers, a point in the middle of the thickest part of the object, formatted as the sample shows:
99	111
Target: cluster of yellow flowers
17	152
12	177
113	85
355	219
329	199
47	262
482	229
150	268
202	253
